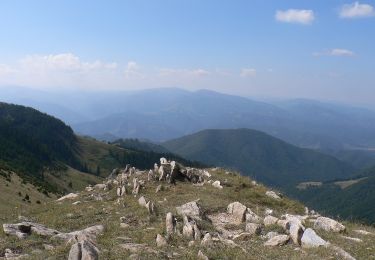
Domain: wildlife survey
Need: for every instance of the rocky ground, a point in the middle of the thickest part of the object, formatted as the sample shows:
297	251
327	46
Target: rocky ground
174	212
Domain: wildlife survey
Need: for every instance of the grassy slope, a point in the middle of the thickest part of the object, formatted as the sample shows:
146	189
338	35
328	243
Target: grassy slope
262	156
144	228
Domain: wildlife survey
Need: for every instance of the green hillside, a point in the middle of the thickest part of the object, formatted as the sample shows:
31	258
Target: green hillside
259	155
43	151
350	199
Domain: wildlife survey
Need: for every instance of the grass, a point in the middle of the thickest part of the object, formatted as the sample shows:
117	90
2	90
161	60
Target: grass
143	228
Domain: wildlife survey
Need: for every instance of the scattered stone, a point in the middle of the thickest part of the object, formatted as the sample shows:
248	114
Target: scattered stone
170	224
9	254
142	201
190	209
202	256
24	229
243	236
100	186
70	196
353	239
160	241
217	184
84	250
121	190
237	210
273	195
48	247
342	254
362	232
253	228
270	220
89	233
207	240
124	225
328	224
296	232
137	248
268	212
250	216
311	239
270	235
278	240
159	188
76	203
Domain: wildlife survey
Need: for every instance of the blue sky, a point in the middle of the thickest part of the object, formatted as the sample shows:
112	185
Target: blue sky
318	49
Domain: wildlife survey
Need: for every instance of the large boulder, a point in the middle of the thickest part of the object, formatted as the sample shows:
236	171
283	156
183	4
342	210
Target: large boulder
328	224
190	209
310	239
160	241
238	211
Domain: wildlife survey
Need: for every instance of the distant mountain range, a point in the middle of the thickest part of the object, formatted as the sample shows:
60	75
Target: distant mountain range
164	114
259	155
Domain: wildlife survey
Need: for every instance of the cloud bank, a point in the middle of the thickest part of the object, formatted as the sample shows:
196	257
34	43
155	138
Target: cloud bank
295	16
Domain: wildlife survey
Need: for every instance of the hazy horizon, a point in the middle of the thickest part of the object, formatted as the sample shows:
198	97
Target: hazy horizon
287	49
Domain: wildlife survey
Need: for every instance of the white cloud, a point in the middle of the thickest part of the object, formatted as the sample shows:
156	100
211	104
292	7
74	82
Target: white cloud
335	52
64	62
295	16
132	70
5	70
189	73
357	10
248	73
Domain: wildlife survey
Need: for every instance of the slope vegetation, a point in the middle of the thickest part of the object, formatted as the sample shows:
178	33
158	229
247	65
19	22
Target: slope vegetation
259	155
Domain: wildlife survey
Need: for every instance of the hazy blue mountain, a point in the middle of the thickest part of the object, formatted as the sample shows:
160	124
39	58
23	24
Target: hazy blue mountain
163	114
259	155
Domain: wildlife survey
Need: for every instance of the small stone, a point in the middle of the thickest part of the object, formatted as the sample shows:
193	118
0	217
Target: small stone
279	240
273	195
160	241
202	256
217	184
70	196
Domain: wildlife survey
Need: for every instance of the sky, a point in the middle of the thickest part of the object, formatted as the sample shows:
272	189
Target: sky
278	49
